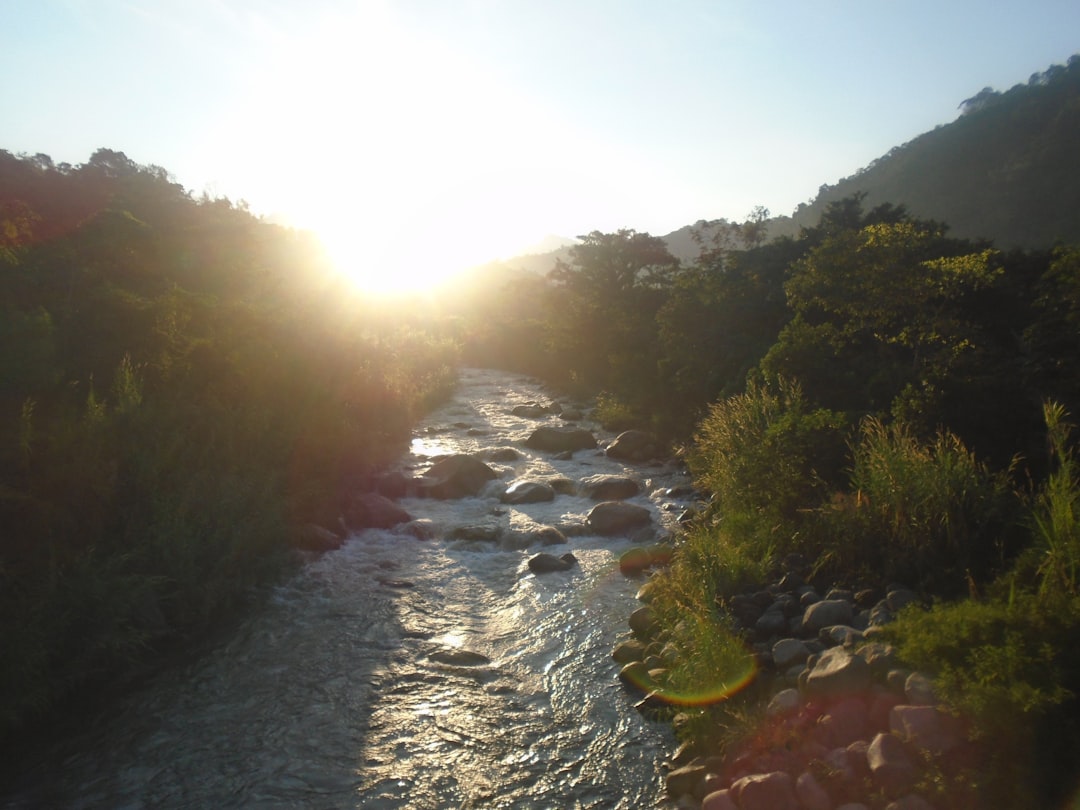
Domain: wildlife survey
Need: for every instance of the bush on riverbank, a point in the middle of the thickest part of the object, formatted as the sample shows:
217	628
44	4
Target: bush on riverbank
183	386
923	512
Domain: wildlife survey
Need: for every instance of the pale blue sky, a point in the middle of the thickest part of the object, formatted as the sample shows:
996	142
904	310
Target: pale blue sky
482	125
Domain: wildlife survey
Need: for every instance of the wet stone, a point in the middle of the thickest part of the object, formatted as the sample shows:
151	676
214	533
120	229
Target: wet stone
459	658
548	563
522	492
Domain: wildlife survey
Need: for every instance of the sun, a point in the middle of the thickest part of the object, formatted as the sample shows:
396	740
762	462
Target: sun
426	231
406	157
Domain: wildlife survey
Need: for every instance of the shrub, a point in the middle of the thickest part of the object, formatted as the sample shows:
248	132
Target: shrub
614	414
1055	519
925	513
1011	667
711	665
767	458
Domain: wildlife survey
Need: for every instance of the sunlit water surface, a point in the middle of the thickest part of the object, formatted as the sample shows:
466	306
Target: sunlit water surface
327	697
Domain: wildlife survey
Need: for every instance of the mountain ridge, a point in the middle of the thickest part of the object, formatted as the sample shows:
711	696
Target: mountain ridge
1007	169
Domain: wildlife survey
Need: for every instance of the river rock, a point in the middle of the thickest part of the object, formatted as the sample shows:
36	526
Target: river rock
560	439
811	794
459	658
530	410
789	651
890	764
395	484
534	534
765	791
456	476
635	561
825	613
561	484
919	690
630	650
502	454
634	445
483	533
526	491
312	537
718	800
422	529
546	536
838	671
544	563
925	727
615	517
609	487
643	622
369	510
685	779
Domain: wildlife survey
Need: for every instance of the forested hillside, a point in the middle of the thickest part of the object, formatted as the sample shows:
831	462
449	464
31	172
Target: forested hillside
184	389
1007	169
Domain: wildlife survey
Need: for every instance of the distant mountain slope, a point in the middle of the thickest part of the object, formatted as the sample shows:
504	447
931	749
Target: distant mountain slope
1007	169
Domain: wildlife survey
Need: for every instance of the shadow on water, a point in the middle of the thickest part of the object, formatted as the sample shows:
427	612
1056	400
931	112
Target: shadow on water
272	716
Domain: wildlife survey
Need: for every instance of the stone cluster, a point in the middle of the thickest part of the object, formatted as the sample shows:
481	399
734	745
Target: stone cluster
847	727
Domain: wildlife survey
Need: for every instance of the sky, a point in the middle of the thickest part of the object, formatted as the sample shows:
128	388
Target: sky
418	136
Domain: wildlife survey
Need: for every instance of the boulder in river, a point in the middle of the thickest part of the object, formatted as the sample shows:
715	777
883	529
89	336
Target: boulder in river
530	410
609	487
312	537
422	529
393	484
634	445
526	491
536	535
459	658
486	533
456	476
633	561
544	563
560	439
615	517
369	510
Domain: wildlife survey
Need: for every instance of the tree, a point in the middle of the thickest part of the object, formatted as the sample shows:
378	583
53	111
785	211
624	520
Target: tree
756	228
607	297
879	311
616	263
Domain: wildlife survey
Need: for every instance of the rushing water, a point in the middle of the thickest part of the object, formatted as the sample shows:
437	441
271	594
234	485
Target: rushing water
327	696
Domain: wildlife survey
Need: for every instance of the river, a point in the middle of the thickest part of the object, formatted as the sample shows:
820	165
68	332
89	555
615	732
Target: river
326	697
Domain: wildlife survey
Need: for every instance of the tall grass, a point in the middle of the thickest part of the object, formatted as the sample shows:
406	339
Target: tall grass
767	457
1010	663
927	513
1055	517
710	665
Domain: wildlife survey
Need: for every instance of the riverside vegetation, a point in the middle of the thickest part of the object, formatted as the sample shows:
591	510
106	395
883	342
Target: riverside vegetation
890	403
183	384
184	387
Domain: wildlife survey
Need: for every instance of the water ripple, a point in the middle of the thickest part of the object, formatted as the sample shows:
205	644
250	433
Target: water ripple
327	697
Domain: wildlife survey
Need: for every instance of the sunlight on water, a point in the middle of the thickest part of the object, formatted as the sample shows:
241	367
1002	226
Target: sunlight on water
454	640
429	448
479	684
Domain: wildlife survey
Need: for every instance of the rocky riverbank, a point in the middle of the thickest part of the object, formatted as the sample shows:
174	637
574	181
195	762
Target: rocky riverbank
846	727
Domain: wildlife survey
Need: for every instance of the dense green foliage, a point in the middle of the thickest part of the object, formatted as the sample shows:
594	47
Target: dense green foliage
183	386
871	395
